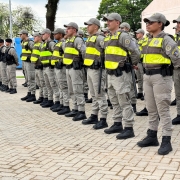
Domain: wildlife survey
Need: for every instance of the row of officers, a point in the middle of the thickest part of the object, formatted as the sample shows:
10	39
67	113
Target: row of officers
61	70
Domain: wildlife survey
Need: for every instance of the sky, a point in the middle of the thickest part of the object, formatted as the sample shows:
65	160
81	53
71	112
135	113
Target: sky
77	11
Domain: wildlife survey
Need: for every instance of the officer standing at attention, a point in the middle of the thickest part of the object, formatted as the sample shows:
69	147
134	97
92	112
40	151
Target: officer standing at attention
126	27
3	65
12	62
158	56
139	70
73	58
48	70
176	76
117	46
94	60
39	79
27	46
60	72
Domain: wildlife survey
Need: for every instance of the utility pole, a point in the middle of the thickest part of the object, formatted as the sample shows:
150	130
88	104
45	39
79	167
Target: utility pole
10	19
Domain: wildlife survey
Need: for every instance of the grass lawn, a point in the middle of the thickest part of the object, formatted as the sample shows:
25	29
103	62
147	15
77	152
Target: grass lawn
19	76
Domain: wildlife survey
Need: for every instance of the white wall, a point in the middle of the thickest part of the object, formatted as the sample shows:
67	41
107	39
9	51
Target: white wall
170	8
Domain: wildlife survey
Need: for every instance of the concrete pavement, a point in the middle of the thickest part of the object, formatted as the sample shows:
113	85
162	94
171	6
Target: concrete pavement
36	143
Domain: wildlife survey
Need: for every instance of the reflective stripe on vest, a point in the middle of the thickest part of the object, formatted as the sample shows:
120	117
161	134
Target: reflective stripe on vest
177	39
153	53
114	53
56	55
92	53
45	54
70	53
25	53
35	52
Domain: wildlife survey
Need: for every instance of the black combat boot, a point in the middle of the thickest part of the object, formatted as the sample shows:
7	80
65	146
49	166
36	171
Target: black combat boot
48	104
89	100
40	100
56	104
93	119
134	107
109	104
143	112
86	96
139	95
0	83
9	90
2	87
25	84
59	108
72	113
115	128
13	91
149	140
101	124
173	103
45	100
128	132
165	147
176	120
64	110
31	98
26	97
5	88
79	116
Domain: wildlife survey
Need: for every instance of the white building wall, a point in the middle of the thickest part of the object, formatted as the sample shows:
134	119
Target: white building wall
170	8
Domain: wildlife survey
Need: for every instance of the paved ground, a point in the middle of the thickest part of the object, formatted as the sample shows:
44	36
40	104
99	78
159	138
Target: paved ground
36	143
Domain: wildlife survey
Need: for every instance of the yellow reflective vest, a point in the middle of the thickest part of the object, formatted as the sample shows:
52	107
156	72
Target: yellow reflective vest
152	52
114	52
177	39
56	56
45	54
92	51
26	52
70	52
35	52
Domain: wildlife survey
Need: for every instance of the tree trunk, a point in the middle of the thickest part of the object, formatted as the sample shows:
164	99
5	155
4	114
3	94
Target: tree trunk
51	7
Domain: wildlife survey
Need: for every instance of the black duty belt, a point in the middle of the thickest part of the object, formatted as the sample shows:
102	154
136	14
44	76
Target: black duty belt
153	71
45	65
69	66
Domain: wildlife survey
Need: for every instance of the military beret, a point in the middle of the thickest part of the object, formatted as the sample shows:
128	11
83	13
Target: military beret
8	40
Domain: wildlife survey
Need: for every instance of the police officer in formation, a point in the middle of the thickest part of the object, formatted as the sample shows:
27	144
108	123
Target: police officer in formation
9	61
158	57
94	60
60	73
27	46
3	67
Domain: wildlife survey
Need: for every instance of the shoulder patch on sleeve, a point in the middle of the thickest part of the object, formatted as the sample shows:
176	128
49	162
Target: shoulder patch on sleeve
127	41
168	48
79	46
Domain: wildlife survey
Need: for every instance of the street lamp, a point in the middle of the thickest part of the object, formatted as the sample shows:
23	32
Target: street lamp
10	19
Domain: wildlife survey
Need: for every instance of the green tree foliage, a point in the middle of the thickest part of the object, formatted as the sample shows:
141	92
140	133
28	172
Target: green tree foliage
130	10
22	18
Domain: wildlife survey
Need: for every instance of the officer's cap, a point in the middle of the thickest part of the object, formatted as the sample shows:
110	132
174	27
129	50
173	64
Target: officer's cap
48	31
93	21
1	40
71	24
175	27
80	32
23	32
125	25
140	31
113	16
157	17
8	40
176	20
59	30
36	34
